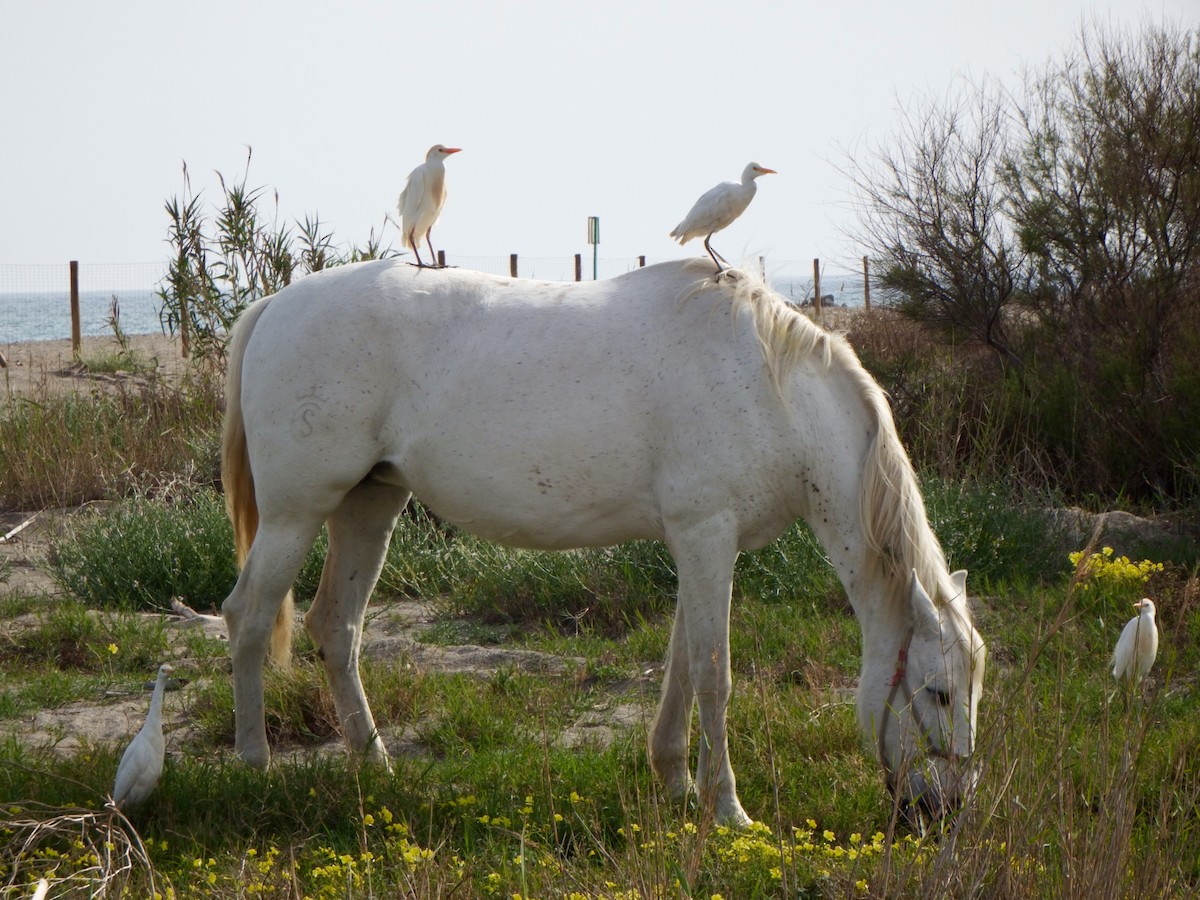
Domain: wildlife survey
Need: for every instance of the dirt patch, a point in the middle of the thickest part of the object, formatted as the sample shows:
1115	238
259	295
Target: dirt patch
392	632
50	366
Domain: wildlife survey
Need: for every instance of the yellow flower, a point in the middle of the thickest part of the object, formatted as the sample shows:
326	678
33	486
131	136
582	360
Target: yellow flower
114	649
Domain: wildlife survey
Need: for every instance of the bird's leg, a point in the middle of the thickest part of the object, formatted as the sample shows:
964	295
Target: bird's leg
432	255
413	244
716	257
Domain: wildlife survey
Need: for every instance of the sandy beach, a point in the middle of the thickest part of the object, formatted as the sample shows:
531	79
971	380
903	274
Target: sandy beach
36	366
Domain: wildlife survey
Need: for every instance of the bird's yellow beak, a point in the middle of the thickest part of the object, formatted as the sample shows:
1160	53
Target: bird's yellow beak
763	170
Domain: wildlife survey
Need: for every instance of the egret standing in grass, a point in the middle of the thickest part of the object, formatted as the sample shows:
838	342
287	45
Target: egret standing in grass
1138	645
422	199
142	763
718	208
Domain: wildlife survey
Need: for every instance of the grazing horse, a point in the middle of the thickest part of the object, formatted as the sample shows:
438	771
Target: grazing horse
660	404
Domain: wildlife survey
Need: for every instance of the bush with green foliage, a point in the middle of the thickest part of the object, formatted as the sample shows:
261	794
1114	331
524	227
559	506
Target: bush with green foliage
1060	230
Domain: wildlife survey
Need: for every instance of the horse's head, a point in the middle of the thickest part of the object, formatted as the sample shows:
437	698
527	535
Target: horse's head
922	715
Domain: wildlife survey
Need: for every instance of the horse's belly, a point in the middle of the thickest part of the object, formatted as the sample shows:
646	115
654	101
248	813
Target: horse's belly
533	494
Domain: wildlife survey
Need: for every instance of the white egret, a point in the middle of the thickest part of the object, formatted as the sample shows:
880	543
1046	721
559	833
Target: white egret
142	763
423	197
717	208
1138	645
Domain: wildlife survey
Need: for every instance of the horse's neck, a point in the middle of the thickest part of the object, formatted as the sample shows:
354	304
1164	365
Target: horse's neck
836	452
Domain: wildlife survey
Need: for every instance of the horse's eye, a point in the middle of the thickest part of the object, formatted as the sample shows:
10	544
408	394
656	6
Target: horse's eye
941	695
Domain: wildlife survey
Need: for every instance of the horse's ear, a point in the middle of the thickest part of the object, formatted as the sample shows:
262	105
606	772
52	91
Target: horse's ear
959	581
924	612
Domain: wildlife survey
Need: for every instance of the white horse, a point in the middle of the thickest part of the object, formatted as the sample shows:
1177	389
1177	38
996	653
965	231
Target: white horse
660	404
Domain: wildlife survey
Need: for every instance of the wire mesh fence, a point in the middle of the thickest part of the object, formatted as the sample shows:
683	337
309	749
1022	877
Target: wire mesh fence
35	300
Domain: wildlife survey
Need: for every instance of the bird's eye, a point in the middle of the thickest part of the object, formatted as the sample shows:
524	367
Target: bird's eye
940	695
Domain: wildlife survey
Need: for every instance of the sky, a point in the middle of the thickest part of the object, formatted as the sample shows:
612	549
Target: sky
619	109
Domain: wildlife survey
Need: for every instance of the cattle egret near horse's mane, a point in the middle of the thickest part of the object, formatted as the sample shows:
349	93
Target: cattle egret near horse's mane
142	763
716	209
423	197
1138	645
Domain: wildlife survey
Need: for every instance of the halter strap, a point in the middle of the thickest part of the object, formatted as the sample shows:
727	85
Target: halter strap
899	679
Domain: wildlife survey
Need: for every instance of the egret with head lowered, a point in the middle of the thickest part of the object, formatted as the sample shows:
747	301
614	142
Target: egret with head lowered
142	763
422	199
1137	647
718	208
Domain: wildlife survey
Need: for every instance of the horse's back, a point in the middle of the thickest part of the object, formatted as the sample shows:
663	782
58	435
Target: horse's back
538	413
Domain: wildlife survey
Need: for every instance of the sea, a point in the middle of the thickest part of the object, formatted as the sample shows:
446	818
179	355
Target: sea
46	316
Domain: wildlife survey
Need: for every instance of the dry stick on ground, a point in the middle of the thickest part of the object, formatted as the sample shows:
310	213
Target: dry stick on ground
18	529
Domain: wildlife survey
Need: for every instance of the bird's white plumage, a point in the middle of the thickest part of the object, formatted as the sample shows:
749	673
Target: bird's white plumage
1137	647
142	762
718	208
423	197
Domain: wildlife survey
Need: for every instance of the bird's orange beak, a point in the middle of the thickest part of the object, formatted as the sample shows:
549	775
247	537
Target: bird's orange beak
763	170
452	150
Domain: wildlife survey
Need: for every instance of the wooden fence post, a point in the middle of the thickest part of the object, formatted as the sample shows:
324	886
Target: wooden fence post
76	337
866	282
641	262
579	267
442	258
817	285
512	264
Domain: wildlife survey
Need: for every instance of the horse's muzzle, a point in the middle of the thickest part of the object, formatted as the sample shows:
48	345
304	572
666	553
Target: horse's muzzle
935	791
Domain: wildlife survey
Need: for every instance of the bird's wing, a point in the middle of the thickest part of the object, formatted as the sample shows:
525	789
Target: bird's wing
716	209
413	197
139	770
1124	650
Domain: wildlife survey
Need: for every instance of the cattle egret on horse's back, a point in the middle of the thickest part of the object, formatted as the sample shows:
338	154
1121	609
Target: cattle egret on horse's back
142	763
423	197
717	209
1138	645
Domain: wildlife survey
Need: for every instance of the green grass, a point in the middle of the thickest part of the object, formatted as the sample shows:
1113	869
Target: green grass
110	362
1082	785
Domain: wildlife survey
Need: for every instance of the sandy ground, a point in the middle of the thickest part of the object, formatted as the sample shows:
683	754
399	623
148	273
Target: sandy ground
392	632
37	366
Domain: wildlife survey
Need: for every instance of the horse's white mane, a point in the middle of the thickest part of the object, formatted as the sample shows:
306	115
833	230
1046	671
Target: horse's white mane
892	509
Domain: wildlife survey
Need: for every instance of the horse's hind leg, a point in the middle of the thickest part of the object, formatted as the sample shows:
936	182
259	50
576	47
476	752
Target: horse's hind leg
359	530
669	733
279	548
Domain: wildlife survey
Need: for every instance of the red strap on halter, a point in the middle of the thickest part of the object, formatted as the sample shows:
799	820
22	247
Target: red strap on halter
901	667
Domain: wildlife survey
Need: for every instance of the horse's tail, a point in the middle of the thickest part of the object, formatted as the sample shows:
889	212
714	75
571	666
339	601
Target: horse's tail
238	480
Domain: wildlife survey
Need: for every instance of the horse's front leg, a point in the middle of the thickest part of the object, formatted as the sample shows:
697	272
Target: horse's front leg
705	554
669	733
359	531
